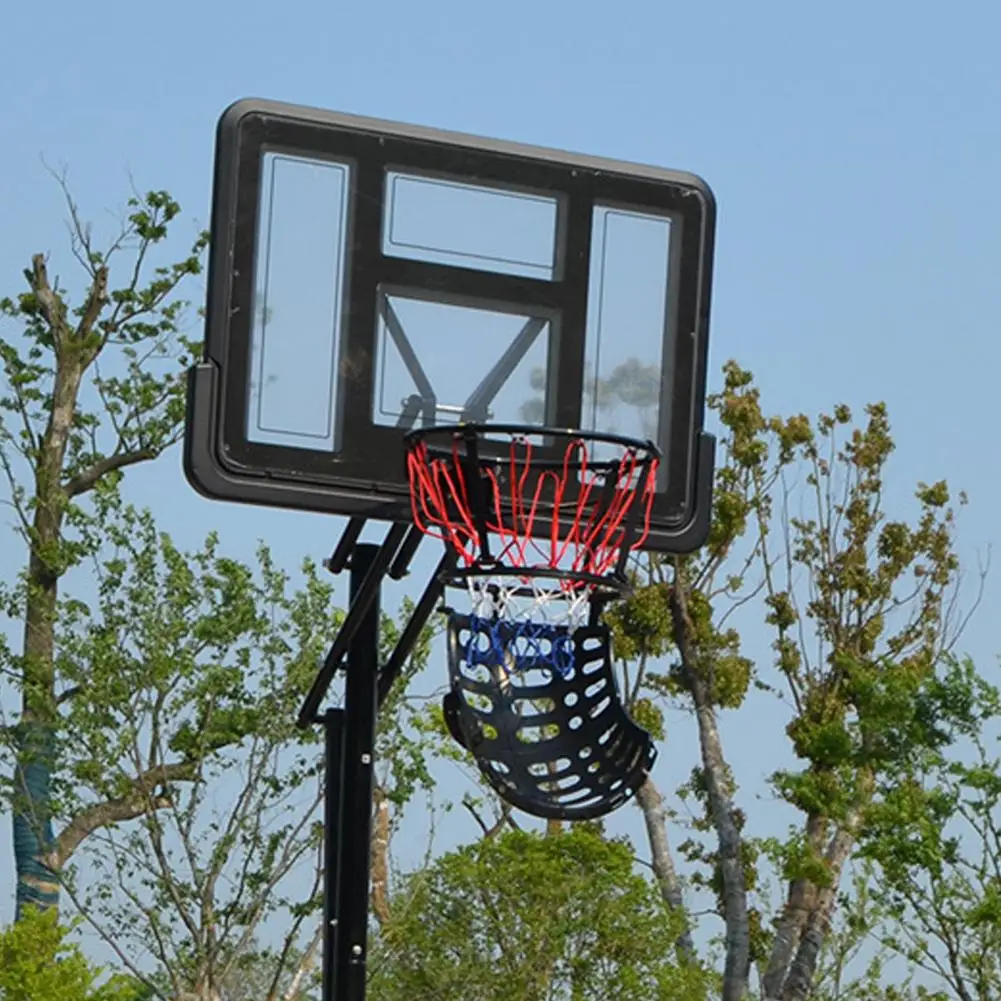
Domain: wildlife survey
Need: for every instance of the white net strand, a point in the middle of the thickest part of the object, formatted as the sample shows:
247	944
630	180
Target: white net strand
528	600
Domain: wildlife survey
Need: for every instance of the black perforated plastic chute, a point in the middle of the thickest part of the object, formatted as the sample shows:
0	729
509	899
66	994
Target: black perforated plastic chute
556	743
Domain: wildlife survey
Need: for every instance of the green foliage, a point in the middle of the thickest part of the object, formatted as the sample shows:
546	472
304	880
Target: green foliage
178	752
521	917
194	648
135	330
404	743
641	626
182	680
183	676
187	669
38	964
649	715
933	836
796	858
93	383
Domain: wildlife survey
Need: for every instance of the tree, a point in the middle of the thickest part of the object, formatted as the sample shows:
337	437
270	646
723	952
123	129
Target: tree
190	669
122	347
859	605
38	964
934	838
523	917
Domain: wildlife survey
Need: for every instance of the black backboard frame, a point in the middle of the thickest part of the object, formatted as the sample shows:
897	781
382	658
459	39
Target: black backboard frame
367	476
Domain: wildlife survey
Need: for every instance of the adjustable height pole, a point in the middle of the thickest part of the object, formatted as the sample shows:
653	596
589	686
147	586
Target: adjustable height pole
349	831
349	750
333	733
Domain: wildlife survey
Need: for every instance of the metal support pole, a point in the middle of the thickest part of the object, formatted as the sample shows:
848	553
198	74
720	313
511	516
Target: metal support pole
355	815
333	726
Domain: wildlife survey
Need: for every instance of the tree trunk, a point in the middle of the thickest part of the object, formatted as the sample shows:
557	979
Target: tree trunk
736	967
305	967
799	905
738	930
37	883
380	857
795	914
801	971
652	804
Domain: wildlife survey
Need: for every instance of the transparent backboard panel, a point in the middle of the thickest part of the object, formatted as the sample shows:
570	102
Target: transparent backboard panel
460	362
629	337
298	307
470	226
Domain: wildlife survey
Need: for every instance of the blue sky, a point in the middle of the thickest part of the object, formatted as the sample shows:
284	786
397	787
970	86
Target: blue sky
854	150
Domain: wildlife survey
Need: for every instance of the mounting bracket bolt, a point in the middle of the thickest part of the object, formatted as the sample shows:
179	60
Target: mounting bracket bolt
366	759
356	950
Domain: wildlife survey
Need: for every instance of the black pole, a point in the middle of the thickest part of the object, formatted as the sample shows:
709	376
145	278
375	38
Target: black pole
360	713
333	726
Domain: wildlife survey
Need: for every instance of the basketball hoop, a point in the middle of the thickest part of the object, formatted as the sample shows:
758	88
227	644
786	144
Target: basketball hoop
534	504
542	522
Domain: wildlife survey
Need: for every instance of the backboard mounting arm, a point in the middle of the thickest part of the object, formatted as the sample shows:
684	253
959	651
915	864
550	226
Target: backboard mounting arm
425	391
361	602
433	593
477	407
338	559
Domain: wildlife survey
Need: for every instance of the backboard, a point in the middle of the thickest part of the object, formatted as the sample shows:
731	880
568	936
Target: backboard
367	278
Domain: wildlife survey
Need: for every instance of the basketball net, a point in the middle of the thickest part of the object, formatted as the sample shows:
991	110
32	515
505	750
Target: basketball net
537	540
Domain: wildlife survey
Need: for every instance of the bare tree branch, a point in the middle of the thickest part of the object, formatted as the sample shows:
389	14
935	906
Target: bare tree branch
651	802
91	476
52	307
295	986
97	298
491	830
135	804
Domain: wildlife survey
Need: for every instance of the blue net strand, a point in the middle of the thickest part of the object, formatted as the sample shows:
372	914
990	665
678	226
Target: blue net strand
519	645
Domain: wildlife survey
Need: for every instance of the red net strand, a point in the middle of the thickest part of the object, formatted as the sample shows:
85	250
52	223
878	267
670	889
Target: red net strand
585	535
